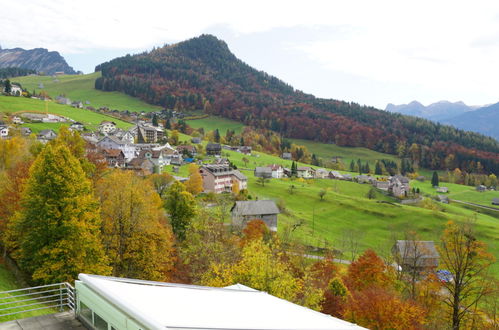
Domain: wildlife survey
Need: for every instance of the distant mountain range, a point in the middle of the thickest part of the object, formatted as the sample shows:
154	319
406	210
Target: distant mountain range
38	59
480	119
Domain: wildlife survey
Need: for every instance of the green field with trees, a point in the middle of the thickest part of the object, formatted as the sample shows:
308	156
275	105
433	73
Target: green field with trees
81	88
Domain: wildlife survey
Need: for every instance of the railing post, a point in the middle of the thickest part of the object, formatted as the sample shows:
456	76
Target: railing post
61	308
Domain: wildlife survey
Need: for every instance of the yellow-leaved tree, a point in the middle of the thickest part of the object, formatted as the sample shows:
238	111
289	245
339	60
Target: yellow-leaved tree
136	237
58	227
195	183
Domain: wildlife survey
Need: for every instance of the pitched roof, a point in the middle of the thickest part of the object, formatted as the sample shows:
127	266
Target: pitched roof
255	207
239	175
417	249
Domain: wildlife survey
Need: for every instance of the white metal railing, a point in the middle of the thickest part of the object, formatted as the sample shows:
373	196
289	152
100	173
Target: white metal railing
59	296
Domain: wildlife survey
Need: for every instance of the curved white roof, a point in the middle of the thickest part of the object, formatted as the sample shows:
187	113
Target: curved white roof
176	306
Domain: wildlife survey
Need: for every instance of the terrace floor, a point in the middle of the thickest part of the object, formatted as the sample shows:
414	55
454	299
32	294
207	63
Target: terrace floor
59	321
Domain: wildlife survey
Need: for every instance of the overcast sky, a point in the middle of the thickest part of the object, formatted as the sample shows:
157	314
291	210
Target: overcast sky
369	52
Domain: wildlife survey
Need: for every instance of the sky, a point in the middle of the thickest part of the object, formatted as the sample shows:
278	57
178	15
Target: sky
368	52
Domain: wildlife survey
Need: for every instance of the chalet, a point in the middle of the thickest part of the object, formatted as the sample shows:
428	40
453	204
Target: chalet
335	175
111	142
263	172
187	150
321	173
442	190
286	155
17	120
277	171
241	149
159	158
495	201
120	303
347	177
196	140
63	100
419	256
107	127
399	186
220	178
365	179
443	199
26	131
481	188
114	157
46	135
305	172
213	149
142	166
16	90
244	211
382	185
77	126
4	131
240	179
77	104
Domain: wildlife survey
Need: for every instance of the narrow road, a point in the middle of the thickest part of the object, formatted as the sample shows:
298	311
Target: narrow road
477	205
340	261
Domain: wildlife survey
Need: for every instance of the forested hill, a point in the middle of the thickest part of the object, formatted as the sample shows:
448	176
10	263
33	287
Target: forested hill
203	73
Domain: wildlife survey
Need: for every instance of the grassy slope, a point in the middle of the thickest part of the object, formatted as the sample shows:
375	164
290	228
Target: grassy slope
346	210
458	192
81	87
91	119
326	151
8	282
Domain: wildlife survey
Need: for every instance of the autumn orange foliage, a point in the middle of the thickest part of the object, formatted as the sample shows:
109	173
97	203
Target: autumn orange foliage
369	270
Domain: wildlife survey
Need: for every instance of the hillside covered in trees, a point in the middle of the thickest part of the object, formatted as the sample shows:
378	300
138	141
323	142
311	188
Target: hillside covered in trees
202	73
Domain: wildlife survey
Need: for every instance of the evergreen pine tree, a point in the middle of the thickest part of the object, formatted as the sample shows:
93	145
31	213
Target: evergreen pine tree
154	120
216	136
352	166
377	169
8	86
434	179
58	229
168	124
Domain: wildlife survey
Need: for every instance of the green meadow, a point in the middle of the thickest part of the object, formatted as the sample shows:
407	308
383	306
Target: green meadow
81	88
458	192
11	105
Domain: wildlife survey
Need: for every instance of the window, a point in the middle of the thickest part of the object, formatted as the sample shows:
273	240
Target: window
99	322
86	312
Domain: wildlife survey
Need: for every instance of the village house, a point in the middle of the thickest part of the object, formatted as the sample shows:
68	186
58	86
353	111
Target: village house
46	135
419	256
443	199
321	173
196	140
382	185
63	100
481	188
4	131
114	157
495	201
148	134
220	178
77	104
187	150
241	149
16	90
158	157
213	149
305	172
286	155
335	175
106	127
26	131
111	142
277	171
263	172
443	190
365	179
244	211
399	186
143	166
17	120
77	126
